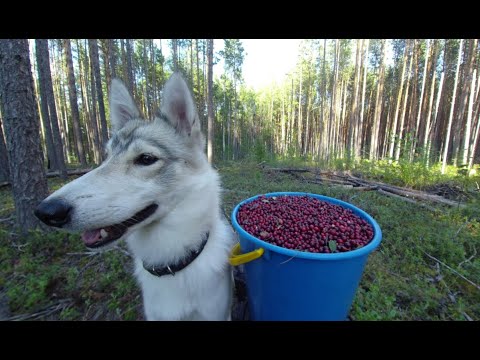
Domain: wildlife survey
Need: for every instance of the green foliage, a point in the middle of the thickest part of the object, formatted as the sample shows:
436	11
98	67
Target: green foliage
41	270
401	281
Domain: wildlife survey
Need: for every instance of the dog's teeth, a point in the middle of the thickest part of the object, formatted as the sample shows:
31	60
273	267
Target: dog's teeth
103	233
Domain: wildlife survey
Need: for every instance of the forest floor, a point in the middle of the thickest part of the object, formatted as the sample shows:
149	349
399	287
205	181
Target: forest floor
426	268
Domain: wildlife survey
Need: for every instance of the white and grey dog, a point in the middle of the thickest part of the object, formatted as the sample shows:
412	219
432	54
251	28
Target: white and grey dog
157	191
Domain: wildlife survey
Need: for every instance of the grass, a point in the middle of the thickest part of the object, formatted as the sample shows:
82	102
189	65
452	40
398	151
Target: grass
400	282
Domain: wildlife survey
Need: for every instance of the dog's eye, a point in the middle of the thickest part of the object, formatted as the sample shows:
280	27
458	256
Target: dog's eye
145	159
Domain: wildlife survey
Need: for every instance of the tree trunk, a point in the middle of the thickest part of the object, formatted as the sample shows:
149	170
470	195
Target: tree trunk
98	87
333	103
452	107
112	57
198	75
473	145
145	73
323	91
154	76
93	112
4	168
420	107
362	101
82	73
378	105
175	54
467	79
104	52
210	101
123	56
41	64
351	151
300	127
72	94
56	131
399	100
468	125
435	117
130	75
405	101
428	118
20	118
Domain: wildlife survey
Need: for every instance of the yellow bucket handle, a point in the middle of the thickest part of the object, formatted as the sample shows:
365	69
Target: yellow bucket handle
236	258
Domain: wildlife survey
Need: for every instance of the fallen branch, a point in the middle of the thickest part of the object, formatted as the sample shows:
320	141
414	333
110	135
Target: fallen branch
51	174
470	258
84	253
288	169
453	270
366	188
345	178
381	191
333	181
408	193
69	172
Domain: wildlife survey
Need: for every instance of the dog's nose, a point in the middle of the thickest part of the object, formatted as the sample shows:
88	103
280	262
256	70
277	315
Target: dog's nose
54	212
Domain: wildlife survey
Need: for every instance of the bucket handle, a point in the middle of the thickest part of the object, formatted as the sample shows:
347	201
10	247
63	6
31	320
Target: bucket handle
236	258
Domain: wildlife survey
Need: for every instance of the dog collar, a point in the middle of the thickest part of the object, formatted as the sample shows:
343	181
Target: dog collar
171	269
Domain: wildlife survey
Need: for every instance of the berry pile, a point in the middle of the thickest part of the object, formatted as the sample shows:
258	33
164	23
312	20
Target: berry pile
304	223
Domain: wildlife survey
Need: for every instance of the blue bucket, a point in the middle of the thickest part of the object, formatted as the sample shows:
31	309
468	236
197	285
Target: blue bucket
285	284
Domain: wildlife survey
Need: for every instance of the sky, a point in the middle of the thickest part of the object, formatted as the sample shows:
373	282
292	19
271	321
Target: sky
268	60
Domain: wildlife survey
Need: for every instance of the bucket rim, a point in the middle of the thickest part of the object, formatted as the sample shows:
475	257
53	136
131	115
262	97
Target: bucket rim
365	250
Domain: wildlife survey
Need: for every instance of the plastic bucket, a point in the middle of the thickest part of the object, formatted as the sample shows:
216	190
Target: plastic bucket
285	284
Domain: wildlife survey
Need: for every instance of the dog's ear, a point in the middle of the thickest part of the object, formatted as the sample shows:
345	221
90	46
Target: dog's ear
179	107
122	106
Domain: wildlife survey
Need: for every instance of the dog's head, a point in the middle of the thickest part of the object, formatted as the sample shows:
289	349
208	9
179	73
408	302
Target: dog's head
148	166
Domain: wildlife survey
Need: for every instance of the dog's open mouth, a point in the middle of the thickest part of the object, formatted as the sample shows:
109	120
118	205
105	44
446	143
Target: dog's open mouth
105	235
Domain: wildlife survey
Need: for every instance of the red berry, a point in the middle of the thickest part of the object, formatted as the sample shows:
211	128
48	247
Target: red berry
304	223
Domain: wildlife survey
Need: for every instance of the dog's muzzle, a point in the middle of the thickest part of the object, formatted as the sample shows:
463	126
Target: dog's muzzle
54	212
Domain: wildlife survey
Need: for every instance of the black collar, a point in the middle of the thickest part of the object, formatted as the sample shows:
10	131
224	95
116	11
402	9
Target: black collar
174	268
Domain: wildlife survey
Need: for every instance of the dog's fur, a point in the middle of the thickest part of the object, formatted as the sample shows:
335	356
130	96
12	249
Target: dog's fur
187	191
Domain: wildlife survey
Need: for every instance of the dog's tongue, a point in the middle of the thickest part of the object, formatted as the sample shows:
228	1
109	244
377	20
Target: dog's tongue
91	236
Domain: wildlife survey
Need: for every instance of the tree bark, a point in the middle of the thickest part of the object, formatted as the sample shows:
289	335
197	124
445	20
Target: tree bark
351	150
399	100
145	72
210	101
467	79
20	118
468	125
112	57
452	107
378	105
405	101
175	54
93	113
130	75
361	119
326	146
98	87
4	168
56	133
41	64
333	104
72	94
422	92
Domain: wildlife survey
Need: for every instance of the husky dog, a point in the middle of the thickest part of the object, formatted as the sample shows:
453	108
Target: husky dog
157	191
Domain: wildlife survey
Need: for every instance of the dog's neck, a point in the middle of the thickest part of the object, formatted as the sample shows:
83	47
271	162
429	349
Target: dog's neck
171	269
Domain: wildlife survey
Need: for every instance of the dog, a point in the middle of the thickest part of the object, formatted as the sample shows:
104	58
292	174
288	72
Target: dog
157	191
